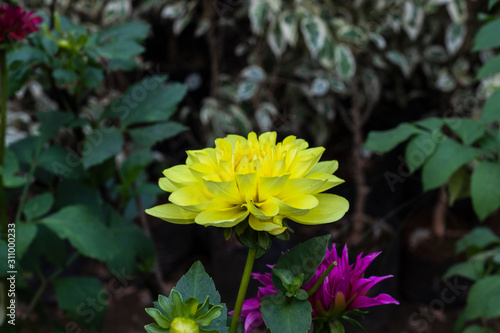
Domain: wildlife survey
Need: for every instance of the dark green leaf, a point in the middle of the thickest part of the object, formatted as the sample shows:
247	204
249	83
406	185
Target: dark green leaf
459	186
9	169
468	130
50	245
484	299
81	298
303	258
485	189
418	150
472	270
286	315
92	77
147	136
25	233
490	68
478	329
100	145
492	3
385	141
134	165
120	49
64	78
153	328
491	109
38	206
84	231
52	121
133	30
478	238
487	36
448	158
431	124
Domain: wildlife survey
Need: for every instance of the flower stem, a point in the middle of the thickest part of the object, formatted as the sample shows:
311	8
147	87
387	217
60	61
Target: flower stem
243	290
3	128
321	278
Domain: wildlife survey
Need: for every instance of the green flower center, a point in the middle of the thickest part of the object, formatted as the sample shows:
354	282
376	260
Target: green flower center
184	325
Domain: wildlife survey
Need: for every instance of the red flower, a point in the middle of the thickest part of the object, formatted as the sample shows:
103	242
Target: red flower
16	23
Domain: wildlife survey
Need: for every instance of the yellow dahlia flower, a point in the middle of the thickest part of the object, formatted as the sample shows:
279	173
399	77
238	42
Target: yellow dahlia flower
254	178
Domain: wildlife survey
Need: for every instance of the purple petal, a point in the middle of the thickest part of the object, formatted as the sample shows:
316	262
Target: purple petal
365	301
252	321
362	286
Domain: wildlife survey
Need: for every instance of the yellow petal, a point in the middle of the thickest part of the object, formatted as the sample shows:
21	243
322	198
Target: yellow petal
325	167
247	185
166	185
296	206
301	186
180	176
172	213
273	226
193	198
263	211
226	191
331	208
330	180
305	161
268	138
224	218
271	186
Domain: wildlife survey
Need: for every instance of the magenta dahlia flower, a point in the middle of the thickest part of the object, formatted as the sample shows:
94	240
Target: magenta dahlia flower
16	23
343	290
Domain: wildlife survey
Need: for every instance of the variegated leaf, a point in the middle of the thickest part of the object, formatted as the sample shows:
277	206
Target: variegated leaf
399	59
345	64
327	55
458	10
413	19
314	31
257	13
253	73
435	53
275	39
455	37
445	82
288	22
319	87
351	34
378	40
246	90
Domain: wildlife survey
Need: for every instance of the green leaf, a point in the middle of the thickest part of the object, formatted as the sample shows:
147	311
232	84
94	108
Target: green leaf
484	299
52	121
153	328
9	170
286	315
100	145
435	53
491	109
146	101
478	329
92	77
455	37
448	158
431	124
257	12
418	150
472	270
120	49
485	188
133	30
74	295
198	284
345	64
158	317
82	229
38	206
314	32
134	246
47	243
468	130
479	238
303	258
352	35
487	36
65	79
25	234
147	136
490	68
459	186
492	3
385	141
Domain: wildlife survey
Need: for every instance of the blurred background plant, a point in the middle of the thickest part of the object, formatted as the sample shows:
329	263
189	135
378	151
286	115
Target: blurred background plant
322	70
